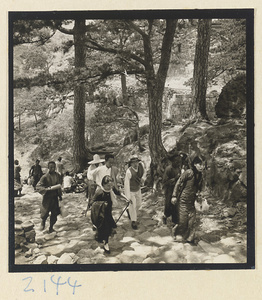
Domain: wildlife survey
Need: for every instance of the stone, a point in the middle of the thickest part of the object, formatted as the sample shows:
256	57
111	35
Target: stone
229	212
224	258
161	240
67	258
36	252
72	246
209	248
29	253
30	236
171	257
56	250
84	260
18	227
18	221
24	247
51	260
232	99
50	236
19	240
127	239
20	232
28	225
113	260
40	240
149	222
148	260
85	253
162	231
40	260
229	241
144	236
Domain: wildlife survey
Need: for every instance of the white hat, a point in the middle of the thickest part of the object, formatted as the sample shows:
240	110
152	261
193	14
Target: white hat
96	160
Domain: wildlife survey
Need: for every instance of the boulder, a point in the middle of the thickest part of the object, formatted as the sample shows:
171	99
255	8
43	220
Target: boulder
67	258
30	236
232	99
170	257
224	258
40	260
27	226
51	260
148	260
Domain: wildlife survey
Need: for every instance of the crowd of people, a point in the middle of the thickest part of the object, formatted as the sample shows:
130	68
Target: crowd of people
181	182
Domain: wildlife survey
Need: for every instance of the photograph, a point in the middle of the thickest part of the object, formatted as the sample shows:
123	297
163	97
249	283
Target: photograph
131	140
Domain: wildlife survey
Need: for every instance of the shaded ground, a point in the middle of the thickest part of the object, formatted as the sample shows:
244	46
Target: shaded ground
221	234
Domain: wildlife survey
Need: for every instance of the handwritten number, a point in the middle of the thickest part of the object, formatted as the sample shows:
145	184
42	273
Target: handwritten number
57	283
73	286
30	290
44	287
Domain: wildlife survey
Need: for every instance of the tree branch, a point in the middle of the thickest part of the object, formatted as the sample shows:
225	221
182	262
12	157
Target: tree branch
65	30
99	47
136	28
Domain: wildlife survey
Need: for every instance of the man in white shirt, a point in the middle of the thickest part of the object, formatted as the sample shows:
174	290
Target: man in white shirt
106	169
132	187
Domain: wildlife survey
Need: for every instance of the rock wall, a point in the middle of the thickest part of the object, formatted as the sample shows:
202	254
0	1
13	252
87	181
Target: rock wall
232	100
224	147
179	106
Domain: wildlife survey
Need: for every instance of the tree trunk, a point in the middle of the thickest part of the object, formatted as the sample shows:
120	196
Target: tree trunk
155	89
79	149
199	85
124	89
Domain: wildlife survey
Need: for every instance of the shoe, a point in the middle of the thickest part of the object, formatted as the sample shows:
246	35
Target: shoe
51	229
42	226
133	224
164	220
106	248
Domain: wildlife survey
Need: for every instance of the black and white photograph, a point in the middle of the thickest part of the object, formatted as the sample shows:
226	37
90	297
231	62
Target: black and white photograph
131	140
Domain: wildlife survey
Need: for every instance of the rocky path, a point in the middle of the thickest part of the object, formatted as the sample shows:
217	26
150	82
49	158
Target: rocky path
221	235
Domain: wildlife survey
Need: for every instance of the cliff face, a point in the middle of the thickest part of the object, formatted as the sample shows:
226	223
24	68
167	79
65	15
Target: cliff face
224	147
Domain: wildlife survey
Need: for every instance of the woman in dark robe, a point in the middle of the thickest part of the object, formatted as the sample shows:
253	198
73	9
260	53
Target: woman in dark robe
101	211
185	195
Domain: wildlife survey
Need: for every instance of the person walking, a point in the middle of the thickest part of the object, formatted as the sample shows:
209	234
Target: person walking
35	173
91	177
185	194
17	177
50	187
132	187
107	169
171	174
101	211
60	167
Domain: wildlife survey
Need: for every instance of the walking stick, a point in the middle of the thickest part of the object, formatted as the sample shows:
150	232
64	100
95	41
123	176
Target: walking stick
126	207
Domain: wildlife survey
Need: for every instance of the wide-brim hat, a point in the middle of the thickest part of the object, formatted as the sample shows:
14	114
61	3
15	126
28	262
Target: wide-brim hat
96	160
134	158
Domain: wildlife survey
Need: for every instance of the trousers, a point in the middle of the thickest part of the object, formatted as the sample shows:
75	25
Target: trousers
136	199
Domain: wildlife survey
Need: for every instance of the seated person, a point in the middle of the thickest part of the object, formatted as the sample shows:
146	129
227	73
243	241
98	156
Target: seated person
69	183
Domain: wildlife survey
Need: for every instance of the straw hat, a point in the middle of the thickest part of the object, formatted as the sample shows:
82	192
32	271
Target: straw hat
96	160
133	159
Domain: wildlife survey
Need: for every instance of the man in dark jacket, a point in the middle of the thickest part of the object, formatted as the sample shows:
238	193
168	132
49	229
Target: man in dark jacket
50	187
170	177
35	173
